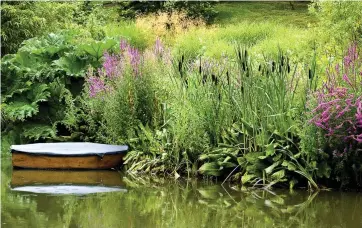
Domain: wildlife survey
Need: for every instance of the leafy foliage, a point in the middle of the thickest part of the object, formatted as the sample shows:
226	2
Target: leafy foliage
335	116
40	83
23	20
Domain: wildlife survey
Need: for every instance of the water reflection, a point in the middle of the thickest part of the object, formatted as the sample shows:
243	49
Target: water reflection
66	182
165	203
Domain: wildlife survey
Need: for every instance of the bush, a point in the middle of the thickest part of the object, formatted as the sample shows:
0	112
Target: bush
41	82
339	24
23	20
338	116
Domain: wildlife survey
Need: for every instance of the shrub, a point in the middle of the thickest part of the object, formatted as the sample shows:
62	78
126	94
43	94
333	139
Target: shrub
338	116
40	84
339	23
24	20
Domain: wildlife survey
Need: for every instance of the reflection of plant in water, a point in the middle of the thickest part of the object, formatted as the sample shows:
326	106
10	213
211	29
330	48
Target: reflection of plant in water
15	207
152	202
220	206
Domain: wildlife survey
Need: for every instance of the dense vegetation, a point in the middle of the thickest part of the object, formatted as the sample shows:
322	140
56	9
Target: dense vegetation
262	103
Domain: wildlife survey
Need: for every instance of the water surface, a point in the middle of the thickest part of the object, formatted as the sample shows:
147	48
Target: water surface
151	202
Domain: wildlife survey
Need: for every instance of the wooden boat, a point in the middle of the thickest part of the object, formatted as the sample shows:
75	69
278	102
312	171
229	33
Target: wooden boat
23	177
66	181
75	155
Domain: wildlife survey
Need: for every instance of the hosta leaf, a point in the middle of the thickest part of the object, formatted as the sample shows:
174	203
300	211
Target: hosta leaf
253	157
278	175
37	131
211	156
212	169
290	166
270	150
271	168
227	164
247	177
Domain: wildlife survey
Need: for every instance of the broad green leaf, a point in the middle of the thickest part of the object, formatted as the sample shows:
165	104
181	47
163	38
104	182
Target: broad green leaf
247	177
97	48
19	110
277	199
212	169
227	164
270	150
39	93
253	157
271	168
290	166
278	175
71	64
37	131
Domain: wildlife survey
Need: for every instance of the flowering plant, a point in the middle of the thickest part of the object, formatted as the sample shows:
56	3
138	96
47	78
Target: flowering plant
339	105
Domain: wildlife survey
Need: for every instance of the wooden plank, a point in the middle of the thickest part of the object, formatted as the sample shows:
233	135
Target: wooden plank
25	160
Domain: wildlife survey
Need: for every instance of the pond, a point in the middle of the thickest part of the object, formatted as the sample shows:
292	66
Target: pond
33	198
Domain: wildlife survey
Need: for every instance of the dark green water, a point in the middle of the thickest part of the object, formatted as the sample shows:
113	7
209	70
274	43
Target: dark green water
145	202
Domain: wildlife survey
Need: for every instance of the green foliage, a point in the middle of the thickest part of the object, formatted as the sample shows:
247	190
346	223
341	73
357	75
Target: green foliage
39	84
97	48
339	22
24	20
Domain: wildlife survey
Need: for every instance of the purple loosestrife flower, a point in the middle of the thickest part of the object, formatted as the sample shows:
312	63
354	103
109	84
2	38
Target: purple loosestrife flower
112	65
359	112
339	108
135	60
351	57
346	79
123	45
96	85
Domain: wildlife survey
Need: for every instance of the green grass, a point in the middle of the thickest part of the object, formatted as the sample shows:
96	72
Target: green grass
278	12
262	26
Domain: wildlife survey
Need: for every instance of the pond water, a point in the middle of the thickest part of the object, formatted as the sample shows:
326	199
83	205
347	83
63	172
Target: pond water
32	198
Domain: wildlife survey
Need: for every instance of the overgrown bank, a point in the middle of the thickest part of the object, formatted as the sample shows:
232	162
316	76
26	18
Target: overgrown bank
259	120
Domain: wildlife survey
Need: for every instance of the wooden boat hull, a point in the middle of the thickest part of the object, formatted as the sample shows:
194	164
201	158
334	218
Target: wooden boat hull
26	177
41	161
